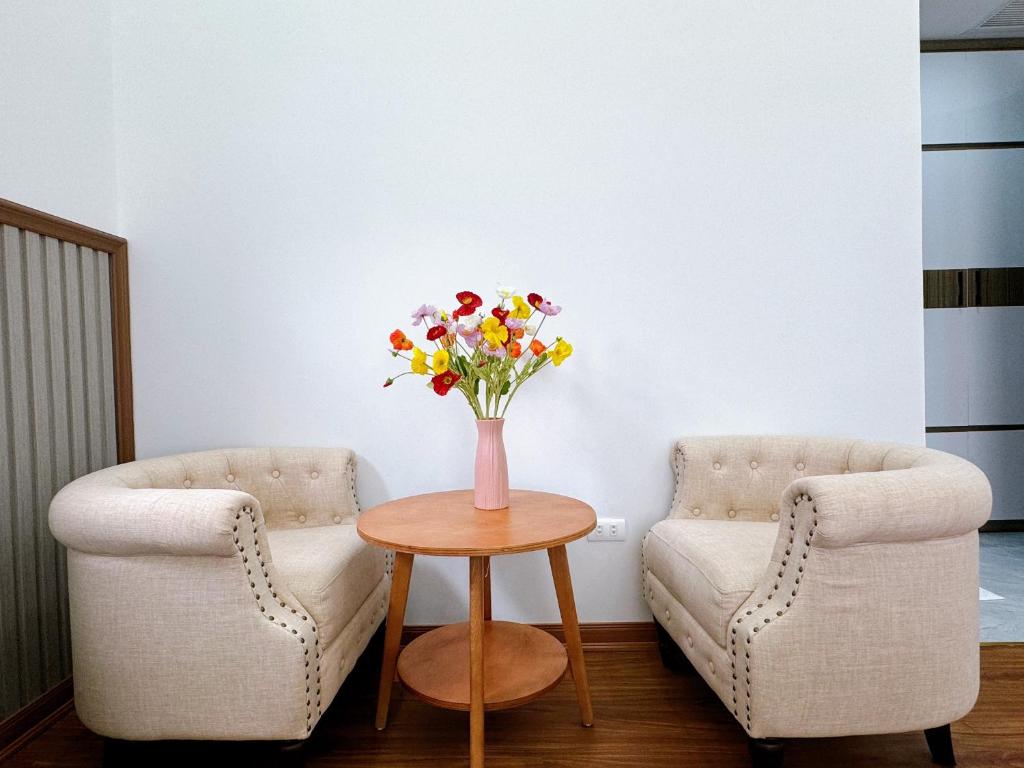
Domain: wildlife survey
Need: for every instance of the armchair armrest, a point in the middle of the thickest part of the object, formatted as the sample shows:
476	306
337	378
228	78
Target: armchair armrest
110	520
927	502
872	584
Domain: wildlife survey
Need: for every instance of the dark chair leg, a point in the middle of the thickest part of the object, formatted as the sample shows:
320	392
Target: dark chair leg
940	742
292	754
118	753
766	753
671	655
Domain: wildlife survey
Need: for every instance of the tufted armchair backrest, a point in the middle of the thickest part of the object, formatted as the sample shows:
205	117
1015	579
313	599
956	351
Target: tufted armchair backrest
296	487
742	477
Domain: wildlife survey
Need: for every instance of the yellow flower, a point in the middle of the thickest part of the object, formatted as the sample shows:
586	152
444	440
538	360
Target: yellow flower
419	360
494	332
521	310
440	361
561	350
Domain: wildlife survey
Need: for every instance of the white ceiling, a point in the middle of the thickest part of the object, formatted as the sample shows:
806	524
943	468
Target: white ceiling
952	19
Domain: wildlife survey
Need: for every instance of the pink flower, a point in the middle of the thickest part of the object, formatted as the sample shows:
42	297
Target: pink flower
471	333
444	319
548	308
425	311
513	324
498	351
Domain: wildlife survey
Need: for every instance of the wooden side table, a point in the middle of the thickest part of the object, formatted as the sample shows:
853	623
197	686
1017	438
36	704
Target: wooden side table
481	664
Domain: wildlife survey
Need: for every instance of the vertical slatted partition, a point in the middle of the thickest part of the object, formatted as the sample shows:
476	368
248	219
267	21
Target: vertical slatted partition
65	410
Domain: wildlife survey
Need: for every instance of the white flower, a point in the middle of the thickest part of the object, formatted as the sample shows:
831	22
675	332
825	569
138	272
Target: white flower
530	330
506	291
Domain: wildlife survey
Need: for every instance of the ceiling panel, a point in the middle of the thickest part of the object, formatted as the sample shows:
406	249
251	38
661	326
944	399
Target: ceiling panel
956	19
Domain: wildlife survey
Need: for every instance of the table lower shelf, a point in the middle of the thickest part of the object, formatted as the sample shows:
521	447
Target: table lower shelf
520	663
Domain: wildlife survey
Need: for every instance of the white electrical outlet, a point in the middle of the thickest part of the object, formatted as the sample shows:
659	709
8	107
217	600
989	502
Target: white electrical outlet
608	529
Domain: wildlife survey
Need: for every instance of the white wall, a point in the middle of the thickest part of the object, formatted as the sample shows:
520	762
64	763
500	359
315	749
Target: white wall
56	109
729	213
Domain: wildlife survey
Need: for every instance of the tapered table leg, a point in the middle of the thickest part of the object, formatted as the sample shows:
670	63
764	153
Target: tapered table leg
487	588
571	626
393	633
477	567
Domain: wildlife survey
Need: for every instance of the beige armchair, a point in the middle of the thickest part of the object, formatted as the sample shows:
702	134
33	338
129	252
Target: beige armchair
217	595
822	587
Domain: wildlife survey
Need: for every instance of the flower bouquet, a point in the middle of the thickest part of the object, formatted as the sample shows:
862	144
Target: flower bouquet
487	358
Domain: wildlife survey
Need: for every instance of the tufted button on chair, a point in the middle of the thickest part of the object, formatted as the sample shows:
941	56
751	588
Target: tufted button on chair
232	608
837	585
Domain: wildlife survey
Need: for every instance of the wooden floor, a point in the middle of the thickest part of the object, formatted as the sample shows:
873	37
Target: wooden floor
645	717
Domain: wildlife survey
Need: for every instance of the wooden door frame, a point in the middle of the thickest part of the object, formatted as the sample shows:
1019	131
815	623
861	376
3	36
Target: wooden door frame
46	224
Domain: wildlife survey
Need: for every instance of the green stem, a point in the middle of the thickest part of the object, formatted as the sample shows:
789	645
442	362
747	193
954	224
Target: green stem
471	399
519	383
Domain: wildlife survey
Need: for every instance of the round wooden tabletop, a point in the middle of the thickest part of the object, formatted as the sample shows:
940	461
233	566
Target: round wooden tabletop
447	523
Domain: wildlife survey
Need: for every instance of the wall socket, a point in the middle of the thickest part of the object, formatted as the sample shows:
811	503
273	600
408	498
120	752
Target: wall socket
608	529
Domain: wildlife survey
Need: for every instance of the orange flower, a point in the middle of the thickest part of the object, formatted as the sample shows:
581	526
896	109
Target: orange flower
518	333
537	348
399	341
515	349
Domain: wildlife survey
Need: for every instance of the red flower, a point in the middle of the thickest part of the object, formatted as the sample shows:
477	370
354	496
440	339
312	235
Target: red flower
534	299
436	332
469	303
500	313
399	341
444	382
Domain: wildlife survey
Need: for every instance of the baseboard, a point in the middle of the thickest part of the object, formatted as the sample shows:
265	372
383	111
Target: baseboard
606	634
34	718
1003	526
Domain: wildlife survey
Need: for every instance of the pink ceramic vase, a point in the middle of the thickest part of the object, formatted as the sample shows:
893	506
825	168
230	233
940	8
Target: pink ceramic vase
490	490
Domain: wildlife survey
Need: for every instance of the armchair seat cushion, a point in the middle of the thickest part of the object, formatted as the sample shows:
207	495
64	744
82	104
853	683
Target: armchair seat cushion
329	569
710	566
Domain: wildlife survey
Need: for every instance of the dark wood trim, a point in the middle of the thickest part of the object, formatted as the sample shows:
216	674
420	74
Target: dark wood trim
1003	526
976	44
23	217
968	145
34	718
944	289
607	634
976	428
120	319
977	287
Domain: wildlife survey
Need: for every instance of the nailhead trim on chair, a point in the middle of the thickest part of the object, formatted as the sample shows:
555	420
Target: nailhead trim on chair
388	554
352	484
679	479
276	621
771	594
645	591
